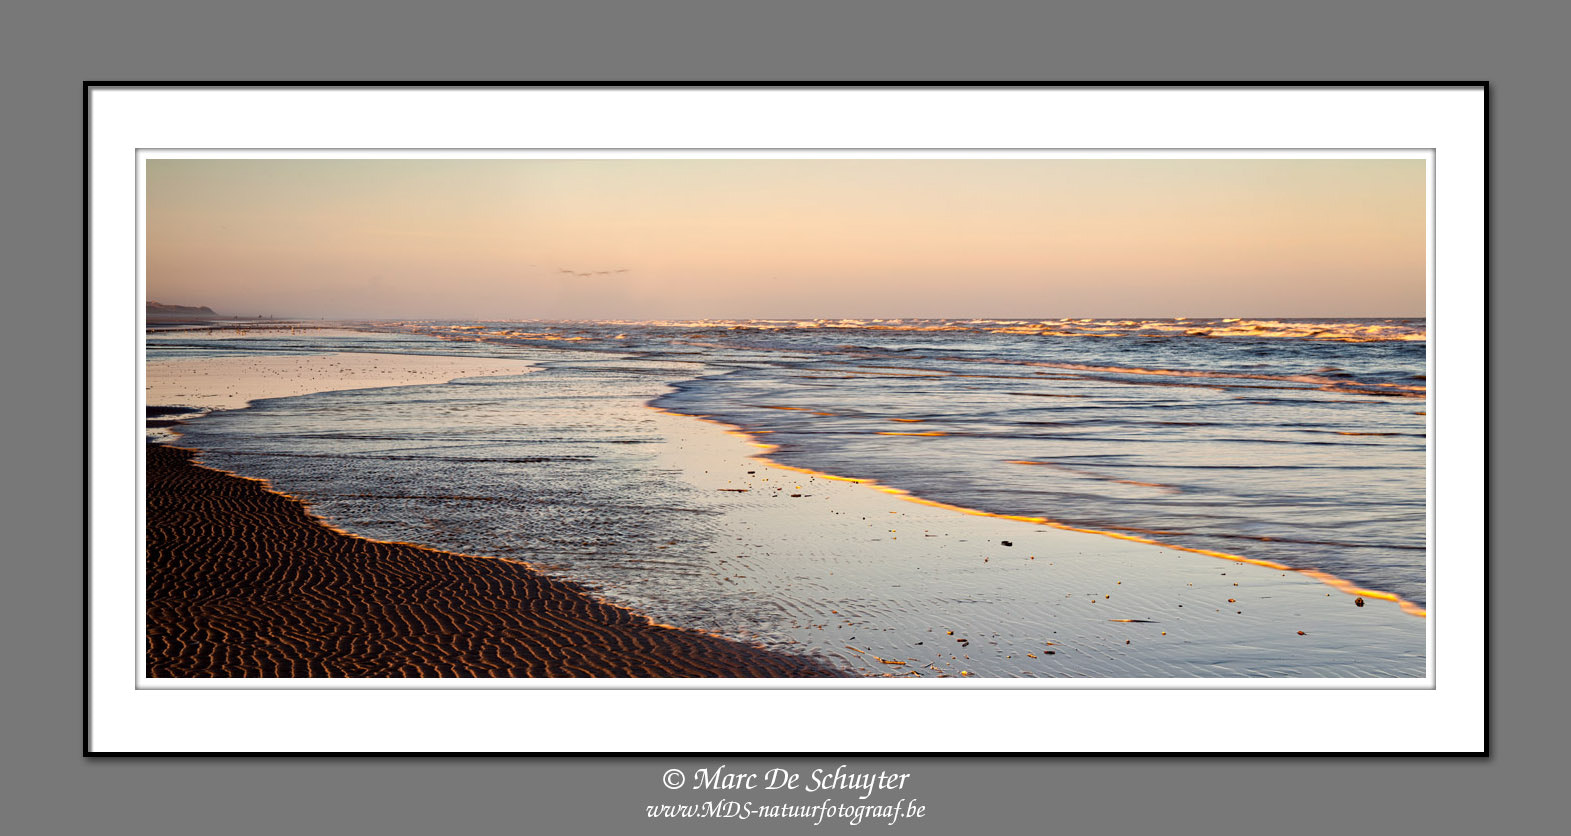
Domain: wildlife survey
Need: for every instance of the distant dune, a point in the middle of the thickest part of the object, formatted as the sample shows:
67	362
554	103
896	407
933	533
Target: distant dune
178	310
160	312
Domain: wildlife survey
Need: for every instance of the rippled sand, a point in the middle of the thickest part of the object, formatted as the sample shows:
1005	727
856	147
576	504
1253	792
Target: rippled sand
243	582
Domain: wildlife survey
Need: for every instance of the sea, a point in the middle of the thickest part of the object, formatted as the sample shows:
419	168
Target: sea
1296	443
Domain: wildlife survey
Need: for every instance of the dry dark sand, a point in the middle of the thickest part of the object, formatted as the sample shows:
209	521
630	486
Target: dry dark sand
243	582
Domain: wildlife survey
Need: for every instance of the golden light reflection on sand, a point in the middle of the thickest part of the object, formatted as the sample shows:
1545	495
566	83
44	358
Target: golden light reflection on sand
1339	584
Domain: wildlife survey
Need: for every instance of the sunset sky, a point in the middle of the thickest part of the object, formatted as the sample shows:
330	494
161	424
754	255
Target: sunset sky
787	238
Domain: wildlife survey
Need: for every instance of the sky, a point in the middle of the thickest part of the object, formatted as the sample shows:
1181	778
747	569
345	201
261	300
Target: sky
787	238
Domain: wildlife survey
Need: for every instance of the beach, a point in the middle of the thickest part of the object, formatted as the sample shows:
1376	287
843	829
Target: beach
243	581
551	478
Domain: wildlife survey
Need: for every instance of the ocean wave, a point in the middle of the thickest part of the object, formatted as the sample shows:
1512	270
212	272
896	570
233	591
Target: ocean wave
1291	441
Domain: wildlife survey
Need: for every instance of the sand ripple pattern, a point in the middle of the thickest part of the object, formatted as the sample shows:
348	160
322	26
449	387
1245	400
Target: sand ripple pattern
243	581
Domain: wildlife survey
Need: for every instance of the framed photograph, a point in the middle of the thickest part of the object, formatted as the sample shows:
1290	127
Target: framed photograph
920	418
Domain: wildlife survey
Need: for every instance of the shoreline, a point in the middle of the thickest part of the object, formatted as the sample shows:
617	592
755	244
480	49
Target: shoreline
915	586
225	600
527	606
1340	584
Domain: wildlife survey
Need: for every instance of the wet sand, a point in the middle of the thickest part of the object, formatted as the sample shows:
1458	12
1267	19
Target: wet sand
232	382
243	582
887	584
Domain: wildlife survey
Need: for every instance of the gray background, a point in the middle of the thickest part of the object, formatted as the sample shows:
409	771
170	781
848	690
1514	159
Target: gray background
45	53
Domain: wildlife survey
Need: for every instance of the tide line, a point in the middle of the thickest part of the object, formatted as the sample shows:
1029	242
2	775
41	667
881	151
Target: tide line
1340	584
